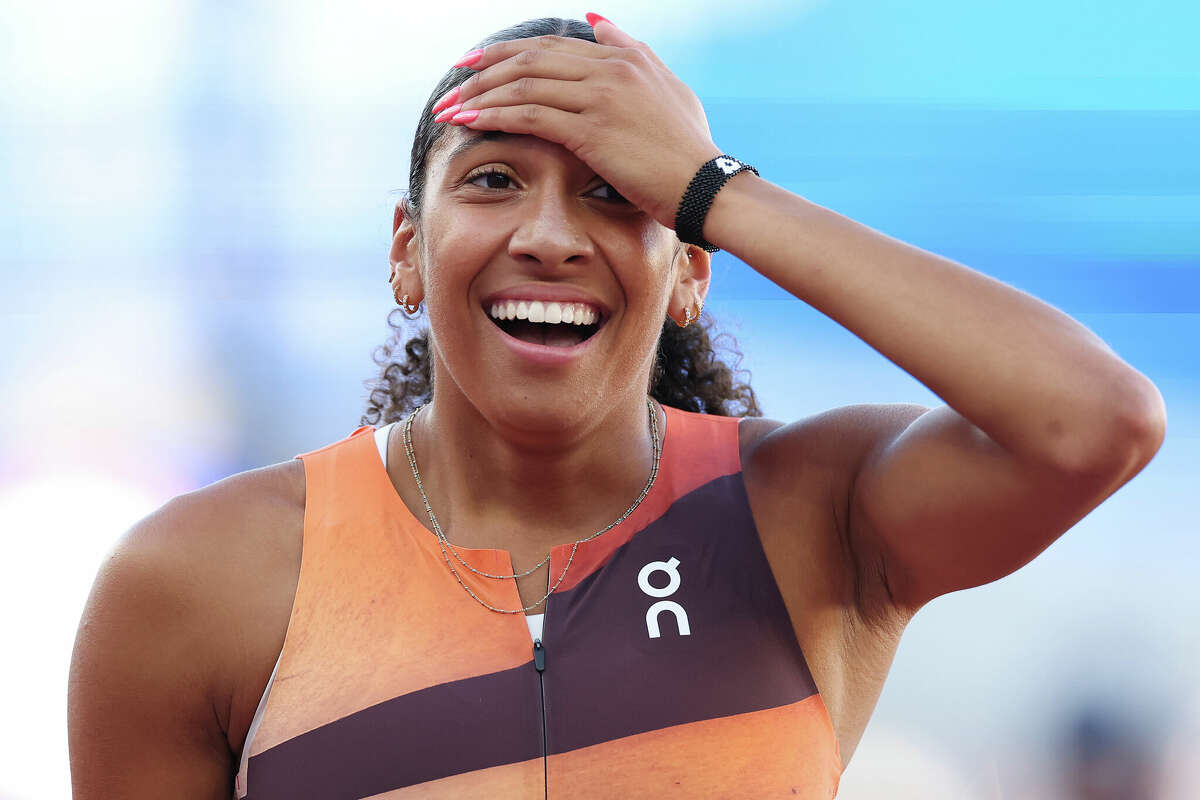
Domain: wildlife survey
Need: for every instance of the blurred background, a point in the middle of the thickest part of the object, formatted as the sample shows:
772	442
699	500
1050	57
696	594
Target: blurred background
195	211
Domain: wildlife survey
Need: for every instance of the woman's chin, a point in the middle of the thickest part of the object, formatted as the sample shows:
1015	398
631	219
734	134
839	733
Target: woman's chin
539	410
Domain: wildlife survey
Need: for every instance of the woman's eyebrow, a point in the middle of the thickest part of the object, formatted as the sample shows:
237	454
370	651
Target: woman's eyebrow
484	136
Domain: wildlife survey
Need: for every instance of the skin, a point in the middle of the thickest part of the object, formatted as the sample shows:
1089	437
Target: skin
522	446
866	512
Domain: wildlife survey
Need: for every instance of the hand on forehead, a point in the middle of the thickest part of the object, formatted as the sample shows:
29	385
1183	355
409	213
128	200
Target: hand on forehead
612	103
458	151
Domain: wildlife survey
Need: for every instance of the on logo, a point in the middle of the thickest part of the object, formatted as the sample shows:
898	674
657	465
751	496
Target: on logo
728	165
673	580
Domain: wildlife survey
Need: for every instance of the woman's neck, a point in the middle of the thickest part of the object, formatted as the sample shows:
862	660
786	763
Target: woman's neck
527	482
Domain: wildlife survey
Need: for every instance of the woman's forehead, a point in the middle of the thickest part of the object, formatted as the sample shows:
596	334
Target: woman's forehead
460	141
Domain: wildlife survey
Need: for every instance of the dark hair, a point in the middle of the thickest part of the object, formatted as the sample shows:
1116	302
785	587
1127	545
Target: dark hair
688	373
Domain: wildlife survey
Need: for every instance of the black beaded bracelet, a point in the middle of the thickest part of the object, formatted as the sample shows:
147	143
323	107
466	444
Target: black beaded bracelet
693	208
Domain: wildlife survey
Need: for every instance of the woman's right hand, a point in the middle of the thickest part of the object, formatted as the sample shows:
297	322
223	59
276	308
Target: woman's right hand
613	103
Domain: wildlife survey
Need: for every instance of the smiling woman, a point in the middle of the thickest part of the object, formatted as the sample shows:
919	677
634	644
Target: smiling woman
688	371
559	557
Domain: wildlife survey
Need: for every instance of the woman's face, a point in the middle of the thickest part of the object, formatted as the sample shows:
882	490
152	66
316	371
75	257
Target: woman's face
514	223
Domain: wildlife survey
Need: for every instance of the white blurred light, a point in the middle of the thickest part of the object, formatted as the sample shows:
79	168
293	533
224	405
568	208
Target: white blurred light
117	381
69	58
894	764
1180	766
57	530
361	48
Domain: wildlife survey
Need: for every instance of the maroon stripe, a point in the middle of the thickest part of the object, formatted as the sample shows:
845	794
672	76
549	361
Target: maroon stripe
606	678
444	730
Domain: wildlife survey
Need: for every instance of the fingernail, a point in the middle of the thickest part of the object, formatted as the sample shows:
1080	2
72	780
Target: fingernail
465	116
448	113
445	100
593	18
470	58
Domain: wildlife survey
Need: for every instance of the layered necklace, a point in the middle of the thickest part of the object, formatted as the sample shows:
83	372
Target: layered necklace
448	548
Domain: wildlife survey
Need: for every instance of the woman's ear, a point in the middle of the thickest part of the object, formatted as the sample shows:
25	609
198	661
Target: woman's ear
691	287
404	256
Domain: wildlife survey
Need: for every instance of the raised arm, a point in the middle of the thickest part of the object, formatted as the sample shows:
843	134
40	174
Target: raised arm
1042	423
1042	420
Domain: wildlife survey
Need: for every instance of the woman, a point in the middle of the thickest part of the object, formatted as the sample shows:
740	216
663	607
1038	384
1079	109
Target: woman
722	596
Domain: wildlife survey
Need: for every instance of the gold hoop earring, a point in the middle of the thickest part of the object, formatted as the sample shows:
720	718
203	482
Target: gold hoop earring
409	308
687	318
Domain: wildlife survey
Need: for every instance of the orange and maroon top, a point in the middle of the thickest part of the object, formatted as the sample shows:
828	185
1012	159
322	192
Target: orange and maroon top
667	666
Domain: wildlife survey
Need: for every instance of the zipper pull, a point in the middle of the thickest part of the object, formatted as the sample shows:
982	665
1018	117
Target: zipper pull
539	655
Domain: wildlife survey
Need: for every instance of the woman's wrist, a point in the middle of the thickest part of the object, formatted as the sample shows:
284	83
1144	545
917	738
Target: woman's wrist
700	194
736	211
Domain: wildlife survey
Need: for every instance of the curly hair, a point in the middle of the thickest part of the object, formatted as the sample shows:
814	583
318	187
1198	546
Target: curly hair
688	372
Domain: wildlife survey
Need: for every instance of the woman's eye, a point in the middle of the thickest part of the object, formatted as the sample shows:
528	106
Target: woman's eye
493	179
608	193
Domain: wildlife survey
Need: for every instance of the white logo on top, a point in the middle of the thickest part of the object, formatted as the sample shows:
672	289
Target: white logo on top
728	165
673	581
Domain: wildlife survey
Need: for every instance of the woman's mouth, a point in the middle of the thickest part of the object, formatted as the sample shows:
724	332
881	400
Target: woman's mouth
546	323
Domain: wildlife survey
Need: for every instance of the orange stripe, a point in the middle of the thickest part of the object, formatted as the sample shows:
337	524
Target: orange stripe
374	617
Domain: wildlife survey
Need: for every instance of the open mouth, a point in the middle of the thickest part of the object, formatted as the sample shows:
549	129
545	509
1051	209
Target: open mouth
546	323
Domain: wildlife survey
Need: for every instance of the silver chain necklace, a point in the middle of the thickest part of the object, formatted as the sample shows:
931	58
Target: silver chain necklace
445	543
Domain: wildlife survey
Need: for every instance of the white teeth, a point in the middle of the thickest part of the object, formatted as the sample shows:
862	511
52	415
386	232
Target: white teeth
552	313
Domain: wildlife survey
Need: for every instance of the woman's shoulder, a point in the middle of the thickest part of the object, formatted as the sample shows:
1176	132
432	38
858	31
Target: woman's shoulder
210	531
252	524
239	520
275	486
232	549
800	477
831	442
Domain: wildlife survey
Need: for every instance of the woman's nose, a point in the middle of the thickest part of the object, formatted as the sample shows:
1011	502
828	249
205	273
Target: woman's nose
551	230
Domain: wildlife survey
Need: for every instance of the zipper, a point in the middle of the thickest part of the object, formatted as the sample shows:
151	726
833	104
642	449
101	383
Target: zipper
539	663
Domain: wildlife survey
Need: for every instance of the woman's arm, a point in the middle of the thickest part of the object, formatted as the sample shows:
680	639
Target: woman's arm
1042	423
140	715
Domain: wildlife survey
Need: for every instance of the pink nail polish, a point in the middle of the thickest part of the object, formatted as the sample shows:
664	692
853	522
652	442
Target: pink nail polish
448	113
445	100
594	18
464	116
470	58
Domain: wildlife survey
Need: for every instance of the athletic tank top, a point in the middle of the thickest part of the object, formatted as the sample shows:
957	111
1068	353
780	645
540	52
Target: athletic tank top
667	665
